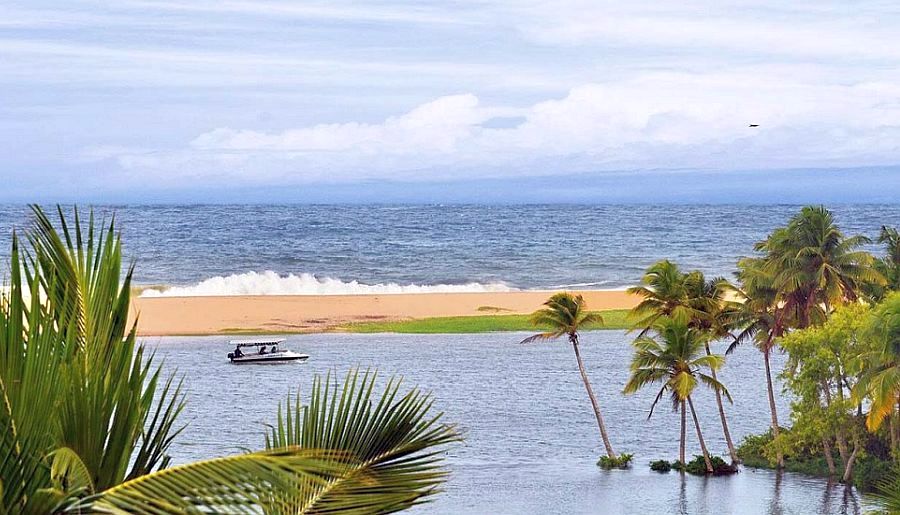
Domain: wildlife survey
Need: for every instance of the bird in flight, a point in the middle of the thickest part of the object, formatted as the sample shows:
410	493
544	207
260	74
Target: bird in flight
754	125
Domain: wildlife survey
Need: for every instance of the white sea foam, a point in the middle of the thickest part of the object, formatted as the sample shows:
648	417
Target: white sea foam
271	283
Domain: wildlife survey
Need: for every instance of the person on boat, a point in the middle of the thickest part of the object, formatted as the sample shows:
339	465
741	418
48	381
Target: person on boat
237	352
262	350
274	349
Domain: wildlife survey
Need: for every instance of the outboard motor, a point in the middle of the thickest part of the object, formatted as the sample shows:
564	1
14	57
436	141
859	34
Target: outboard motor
231	355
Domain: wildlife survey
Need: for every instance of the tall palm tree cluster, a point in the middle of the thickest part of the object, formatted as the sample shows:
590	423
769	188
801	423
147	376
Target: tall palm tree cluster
87	416
802	272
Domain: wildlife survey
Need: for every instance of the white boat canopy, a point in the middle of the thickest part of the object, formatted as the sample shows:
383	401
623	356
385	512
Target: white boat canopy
256	342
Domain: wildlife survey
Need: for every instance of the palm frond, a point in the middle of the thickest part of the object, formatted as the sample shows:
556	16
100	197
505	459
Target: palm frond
234	484
394	446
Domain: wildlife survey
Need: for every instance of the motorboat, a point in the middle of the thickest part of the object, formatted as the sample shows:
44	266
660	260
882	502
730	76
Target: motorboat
263	351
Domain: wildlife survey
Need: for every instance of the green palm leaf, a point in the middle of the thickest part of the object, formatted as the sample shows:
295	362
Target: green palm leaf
394	446
111	404
234	484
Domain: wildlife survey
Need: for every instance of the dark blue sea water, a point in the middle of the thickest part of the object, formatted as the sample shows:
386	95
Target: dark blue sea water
531	246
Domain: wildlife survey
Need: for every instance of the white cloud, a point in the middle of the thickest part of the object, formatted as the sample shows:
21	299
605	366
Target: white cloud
830	29
654	120
436	126
271	92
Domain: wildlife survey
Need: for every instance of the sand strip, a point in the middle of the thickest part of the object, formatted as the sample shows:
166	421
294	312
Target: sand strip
168	316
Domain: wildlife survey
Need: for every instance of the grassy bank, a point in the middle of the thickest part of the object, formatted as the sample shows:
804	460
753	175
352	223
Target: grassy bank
612	319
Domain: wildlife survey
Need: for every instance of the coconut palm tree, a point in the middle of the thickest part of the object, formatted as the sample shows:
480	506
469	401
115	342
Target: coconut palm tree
888	265
880	381
87	418
763	321
665	293
714	317
815	267
690	297
564	315
676	360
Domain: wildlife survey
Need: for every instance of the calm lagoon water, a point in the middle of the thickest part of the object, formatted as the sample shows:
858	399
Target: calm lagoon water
531	440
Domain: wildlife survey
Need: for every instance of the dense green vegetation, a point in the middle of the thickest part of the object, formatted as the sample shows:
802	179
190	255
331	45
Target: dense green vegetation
810	292
87	417
611	319
871	468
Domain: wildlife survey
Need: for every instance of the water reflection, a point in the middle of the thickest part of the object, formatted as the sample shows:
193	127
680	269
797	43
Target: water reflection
775	504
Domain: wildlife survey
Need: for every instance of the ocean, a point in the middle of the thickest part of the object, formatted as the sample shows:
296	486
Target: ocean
346	249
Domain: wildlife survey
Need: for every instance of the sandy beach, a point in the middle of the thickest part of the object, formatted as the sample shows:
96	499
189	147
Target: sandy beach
169	316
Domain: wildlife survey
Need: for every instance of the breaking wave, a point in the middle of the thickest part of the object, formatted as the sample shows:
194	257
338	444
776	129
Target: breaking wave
271	283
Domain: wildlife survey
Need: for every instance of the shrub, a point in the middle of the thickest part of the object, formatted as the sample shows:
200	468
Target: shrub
623	461
752	450
873	467
660	466
697	466
869	472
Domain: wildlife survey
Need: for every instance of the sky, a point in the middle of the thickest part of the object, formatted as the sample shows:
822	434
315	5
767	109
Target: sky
196	100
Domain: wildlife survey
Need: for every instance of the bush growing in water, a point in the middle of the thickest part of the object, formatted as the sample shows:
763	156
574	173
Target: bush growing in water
697	466
621	462
660	466
872	467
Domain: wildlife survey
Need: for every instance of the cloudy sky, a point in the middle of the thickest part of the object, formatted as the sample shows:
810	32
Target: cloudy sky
197	99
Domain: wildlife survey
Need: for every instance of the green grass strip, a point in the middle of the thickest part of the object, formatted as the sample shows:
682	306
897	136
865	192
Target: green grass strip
613	319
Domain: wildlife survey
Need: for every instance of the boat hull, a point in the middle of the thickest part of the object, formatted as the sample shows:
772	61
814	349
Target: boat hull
270	359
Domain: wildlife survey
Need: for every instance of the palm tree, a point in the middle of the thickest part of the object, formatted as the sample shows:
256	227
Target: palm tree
665	294
880	381
714	317
815	267
690	297
565	315
676	361
764	321
86	418
889	265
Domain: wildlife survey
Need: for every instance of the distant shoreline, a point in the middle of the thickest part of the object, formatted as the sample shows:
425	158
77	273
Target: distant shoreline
413	312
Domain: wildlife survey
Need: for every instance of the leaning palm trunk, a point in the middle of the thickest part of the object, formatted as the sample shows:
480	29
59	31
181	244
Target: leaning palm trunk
775	429
709	467
594	403
731	449
683	434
